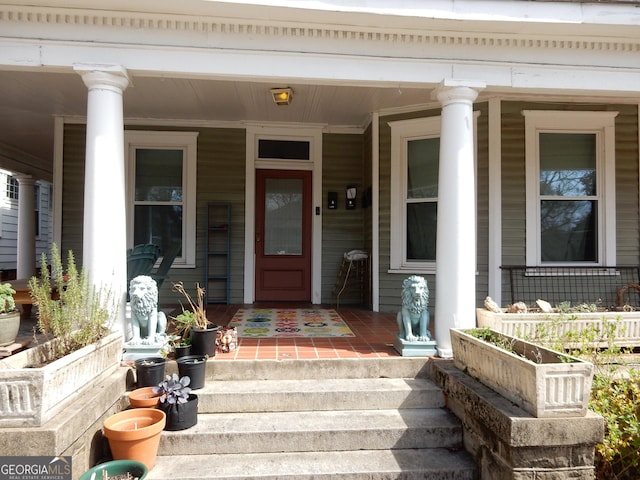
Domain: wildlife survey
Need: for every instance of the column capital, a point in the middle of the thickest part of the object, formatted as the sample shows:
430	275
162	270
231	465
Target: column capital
457	91
110	77
24	179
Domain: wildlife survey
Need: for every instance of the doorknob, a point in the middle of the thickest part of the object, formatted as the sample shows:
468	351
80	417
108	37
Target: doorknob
258	238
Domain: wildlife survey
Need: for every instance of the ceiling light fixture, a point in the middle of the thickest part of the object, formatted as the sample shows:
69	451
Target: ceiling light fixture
282	96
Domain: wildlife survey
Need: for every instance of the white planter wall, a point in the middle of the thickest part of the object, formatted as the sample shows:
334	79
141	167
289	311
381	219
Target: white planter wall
32	396
524	324
550	388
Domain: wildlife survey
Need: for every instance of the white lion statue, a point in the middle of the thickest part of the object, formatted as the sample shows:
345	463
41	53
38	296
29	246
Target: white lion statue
413	319
148	324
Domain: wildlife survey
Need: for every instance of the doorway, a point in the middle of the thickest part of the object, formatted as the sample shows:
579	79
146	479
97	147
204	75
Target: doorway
283	235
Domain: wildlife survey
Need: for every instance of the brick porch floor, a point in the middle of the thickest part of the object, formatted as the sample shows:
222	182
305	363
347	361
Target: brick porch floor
374	332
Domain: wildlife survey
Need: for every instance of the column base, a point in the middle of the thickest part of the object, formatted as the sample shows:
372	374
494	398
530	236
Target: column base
136	352
414	349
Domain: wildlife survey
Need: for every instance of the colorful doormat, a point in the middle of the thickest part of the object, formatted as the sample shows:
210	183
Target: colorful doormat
295	322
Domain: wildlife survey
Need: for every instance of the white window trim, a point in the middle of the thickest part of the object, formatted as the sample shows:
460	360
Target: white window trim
603	125
402	132
37	187
188	142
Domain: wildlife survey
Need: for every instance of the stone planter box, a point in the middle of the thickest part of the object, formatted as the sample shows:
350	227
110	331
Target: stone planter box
524	324
32	396
531	376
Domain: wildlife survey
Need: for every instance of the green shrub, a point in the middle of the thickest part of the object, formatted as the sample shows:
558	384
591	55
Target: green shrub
70	309
615	394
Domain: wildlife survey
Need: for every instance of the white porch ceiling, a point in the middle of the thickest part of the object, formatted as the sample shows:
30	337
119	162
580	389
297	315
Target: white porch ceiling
211	61
29	102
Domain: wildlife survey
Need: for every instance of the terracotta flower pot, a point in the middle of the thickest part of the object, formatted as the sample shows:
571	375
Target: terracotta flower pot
135	434
144	398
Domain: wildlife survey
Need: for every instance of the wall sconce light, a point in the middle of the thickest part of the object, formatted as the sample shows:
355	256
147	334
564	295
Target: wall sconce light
332	200
351	197
282	96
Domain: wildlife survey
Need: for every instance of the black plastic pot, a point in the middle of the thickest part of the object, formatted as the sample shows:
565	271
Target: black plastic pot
182	351
181	416
203	341
150	371
194	367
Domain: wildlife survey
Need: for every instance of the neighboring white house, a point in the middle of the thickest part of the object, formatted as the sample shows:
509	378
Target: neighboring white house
9	197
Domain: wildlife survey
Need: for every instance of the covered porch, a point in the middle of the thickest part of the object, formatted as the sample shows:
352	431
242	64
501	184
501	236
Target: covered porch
374	335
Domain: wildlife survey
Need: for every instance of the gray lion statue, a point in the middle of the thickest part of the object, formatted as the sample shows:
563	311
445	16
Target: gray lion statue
147	323
413	319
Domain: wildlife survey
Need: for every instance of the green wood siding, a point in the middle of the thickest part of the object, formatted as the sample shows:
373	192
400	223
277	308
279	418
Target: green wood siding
73	190
342	229
513	179
220	178
390	283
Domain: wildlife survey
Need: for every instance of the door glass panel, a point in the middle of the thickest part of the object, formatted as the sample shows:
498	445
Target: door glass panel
283	216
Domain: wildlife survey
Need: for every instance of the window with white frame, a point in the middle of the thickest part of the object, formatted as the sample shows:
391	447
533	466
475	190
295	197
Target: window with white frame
570	187
162	191
12	188
415	151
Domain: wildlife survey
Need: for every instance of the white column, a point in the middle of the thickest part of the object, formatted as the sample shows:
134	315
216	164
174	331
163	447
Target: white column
456	236
104	229
26	252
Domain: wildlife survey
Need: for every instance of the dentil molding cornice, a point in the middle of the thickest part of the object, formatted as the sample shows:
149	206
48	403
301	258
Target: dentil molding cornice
296	31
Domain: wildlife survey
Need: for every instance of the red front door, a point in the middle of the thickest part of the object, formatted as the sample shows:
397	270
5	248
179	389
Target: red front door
283	235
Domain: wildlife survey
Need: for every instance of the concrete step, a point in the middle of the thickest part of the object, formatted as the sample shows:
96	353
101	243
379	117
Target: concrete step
325	394
334	419
318	369
410	464
323	431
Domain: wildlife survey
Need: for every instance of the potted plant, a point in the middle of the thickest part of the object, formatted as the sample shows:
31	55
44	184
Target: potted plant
117	469
77	317
177	402
181	335
135	434
194	367
181	347
202	333
149	371
544	382
9	315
